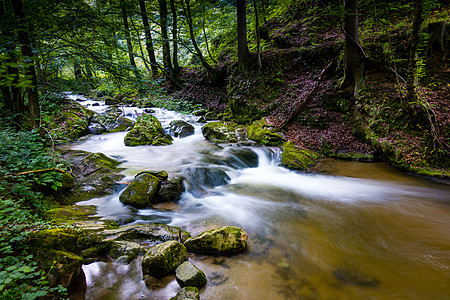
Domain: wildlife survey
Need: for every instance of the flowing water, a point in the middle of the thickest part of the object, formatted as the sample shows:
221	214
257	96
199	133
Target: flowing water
349	231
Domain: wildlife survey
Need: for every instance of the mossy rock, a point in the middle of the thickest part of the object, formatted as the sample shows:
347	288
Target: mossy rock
154	233
180	128
61	268
297	159
126	248
162	140
160	174
187	274
55	239
187	293
120	124
264	134
220	132
163	259
146	129
227	240
141	191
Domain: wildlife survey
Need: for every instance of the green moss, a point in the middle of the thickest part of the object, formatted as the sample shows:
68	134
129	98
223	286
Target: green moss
227	240
164	258
220	132
146	129
55	239
263	134
297	159
141	191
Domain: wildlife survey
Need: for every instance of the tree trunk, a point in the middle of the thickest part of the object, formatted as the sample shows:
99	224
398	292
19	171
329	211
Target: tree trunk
77	70
128	37
176	66
165	39
187	11
411	81
27	52
258	38
243	53
148	39
353	74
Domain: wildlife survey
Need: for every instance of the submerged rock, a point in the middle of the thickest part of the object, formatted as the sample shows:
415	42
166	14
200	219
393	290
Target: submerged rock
355	278
146	129
220	132
227	240
188	274
187	293
180	128
163	259
295	158
141	191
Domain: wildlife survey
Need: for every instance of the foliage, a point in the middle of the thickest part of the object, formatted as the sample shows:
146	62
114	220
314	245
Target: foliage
22	206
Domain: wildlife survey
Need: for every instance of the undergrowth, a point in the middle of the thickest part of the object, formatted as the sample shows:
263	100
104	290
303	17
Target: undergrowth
23	203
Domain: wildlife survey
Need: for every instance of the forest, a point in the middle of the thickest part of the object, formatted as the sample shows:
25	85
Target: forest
348	82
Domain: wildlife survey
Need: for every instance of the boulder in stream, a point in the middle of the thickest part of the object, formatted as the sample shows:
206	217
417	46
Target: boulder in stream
220	132
146	129
227	240
295	158
187	274
180	128
141	191
187	293
163	259
170	190
95	173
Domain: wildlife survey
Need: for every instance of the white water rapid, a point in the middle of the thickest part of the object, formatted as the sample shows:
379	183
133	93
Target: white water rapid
304	229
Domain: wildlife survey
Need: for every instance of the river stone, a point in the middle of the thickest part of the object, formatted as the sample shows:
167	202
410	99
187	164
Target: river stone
146	129
126	248
96	128
220	132
187	293
227	240
295	158
155	233
163	259
120	124
160	174
187	274
180	128
170	190
141	191
264	134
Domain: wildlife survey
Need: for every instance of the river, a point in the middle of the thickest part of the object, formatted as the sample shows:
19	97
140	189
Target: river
349	230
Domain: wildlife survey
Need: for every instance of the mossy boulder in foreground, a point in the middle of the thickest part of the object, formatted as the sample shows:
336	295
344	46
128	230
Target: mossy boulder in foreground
295	158
144	132
163	259
141	191
188	274
227	240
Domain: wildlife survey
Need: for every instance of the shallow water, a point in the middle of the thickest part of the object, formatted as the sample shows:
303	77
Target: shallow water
349	231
